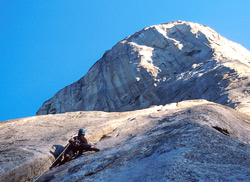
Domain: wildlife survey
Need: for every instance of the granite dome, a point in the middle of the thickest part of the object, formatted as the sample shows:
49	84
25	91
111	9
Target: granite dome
161	64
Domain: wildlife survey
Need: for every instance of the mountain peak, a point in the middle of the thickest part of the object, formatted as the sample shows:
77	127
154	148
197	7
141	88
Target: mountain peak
161	64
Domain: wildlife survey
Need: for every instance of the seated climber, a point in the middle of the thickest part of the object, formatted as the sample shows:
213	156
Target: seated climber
77	145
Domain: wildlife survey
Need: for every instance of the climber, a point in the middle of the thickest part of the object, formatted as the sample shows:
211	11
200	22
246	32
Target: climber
78	144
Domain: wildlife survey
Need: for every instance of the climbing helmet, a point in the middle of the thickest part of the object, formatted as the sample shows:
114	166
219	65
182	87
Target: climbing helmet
81	131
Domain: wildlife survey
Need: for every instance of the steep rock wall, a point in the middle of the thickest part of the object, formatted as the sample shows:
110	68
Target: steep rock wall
161	64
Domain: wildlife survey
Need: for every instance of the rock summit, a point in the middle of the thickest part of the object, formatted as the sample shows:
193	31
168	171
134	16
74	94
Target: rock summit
161	64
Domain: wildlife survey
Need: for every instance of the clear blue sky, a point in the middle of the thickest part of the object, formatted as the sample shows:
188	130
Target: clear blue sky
46	45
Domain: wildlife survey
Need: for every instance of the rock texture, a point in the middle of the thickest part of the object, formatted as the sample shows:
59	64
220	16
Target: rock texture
159	65
185	141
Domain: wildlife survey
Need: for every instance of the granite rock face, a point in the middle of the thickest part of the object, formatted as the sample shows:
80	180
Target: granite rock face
159	65
186	141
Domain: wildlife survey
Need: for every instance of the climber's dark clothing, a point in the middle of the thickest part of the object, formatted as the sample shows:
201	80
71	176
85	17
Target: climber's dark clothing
78	144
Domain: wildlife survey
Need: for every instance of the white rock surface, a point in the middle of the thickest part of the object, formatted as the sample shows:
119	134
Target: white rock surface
159	65
175	142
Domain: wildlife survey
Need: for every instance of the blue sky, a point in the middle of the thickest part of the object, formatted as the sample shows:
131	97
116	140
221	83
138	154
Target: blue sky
46	45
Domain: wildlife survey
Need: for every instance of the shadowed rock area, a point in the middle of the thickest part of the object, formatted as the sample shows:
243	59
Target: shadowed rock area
186	141
158	65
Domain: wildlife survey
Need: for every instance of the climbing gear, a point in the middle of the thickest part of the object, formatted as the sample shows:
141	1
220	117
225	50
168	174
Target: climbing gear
81	131
76	142
66	147
72	139
52	163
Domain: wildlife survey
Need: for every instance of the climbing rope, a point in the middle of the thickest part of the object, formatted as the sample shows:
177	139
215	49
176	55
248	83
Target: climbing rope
52	163
34	180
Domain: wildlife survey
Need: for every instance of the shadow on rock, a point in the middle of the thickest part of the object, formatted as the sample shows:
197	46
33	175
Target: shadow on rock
57	150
